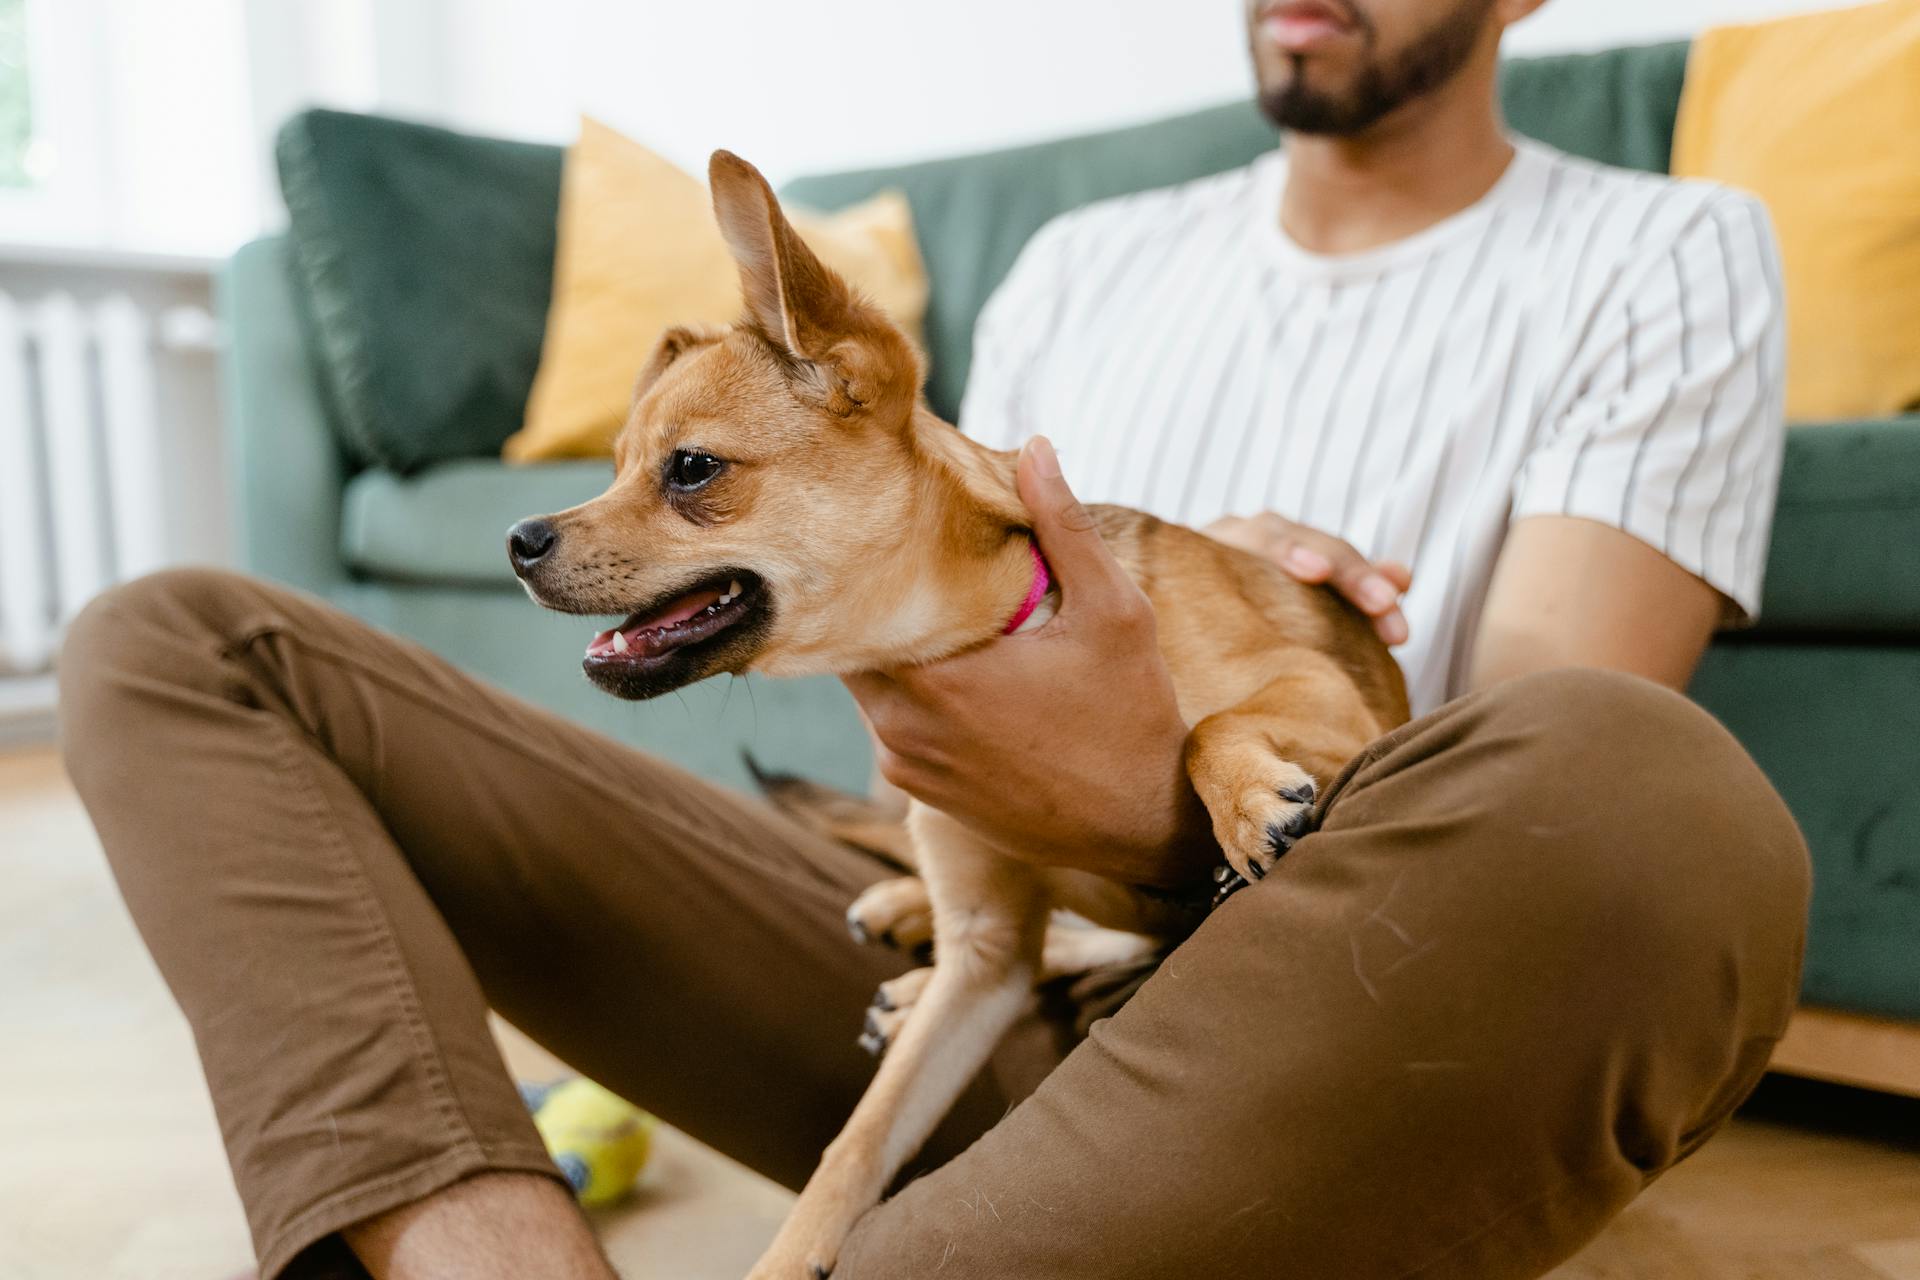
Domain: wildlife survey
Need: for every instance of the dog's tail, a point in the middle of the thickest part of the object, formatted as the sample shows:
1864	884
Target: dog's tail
865	824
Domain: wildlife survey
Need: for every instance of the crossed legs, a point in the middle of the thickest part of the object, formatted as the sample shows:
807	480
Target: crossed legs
1536	951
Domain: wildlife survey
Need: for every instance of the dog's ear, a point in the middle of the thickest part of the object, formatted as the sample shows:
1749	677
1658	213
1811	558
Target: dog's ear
843	347
673	344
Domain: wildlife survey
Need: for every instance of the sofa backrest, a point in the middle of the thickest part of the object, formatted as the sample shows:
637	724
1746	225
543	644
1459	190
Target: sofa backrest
422	259
973	214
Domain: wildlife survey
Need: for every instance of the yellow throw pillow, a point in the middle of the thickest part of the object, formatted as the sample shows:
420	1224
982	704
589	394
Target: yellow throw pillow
639	252
1817	115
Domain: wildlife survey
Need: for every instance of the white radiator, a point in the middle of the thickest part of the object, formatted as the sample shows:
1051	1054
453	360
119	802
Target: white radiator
82	491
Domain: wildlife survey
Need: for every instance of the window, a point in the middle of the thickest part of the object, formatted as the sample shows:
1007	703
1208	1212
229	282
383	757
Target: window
22	157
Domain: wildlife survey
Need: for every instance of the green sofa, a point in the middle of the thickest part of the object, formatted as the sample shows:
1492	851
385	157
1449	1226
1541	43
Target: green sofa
1825	690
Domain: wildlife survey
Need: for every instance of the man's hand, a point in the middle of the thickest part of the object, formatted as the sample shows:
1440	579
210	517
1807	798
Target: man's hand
1064	743
1313	556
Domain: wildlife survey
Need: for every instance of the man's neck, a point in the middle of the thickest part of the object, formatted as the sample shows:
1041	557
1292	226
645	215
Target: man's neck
1425	162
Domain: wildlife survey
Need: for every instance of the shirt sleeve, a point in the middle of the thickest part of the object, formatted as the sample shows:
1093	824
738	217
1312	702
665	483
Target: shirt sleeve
1671	428
1010	339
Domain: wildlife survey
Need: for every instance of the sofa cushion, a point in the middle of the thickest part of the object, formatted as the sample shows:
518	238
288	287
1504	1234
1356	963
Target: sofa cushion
423	259
1831	723
1845	531
1616	106
448	523
974	213
639	252
1816	114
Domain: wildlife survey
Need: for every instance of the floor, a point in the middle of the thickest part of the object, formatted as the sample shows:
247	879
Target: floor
110	1166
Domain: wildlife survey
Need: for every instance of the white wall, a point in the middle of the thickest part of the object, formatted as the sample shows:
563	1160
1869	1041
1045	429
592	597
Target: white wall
800	87
808	86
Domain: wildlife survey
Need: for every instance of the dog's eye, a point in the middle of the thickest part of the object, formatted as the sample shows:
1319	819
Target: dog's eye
688	469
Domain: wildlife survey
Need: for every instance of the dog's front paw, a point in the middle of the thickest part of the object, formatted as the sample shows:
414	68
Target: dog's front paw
1267	818
894	912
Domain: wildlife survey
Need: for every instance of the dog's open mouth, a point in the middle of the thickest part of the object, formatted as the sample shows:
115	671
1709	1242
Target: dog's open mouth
649	636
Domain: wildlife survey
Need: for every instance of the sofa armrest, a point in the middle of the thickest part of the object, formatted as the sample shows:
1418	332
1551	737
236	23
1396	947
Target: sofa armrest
287	472
1843	558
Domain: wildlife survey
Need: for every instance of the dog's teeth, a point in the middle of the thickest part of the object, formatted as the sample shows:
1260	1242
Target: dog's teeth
619	642
733	588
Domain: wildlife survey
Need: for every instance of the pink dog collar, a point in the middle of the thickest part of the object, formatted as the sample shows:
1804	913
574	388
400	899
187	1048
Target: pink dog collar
1042	583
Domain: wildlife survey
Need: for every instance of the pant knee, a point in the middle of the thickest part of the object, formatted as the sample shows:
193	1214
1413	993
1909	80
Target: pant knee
1603	855
1629	828
1585	713
1636	777
140	636
1655	844
186	601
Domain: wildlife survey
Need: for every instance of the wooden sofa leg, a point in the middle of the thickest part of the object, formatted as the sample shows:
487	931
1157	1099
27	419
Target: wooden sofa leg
1852	1048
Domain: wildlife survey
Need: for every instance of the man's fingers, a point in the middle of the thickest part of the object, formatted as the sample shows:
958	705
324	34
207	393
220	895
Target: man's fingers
1369	590
1064	529
1046	489
1306	564
1307	554
1312	556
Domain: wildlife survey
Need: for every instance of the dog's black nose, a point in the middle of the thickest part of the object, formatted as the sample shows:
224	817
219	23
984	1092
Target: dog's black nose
529	541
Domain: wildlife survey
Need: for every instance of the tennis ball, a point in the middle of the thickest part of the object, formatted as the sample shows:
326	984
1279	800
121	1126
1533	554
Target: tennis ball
600	1141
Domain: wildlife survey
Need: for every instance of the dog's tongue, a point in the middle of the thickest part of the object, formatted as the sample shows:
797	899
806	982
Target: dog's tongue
639	628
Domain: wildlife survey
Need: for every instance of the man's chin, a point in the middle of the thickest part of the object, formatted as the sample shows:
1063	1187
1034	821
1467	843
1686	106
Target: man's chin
1296	109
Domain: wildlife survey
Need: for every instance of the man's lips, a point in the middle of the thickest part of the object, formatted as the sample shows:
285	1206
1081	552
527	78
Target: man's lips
1300	26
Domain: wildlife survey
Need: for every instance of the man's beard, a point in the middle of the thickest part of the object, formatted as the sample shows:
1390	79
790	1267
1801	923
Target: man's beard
1381	88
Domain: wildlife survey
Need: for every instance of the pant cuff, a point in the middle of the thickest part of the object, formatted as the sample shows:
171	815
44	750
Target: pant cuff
280	1247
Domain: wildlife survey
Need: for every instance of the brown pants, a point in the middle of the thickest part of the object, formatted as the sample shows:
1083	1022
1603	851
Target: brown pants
1540	947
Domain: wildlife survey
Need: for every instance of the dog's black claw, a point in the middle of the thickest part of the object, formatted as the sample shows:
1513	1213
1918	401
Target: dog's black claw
872	1024
1302	794
924	953
1294	827
874	1044
1279	839
882	1001
858	931
1255	871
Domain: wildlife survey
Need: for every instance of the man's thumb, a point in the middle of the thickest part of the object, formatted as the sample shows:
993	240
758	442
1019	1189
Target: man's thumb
1063	528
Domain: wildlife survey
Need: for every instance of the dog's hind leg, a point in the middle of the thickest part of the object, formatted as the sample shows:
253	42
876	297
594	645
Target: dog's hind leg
1071	949
895	912
990	917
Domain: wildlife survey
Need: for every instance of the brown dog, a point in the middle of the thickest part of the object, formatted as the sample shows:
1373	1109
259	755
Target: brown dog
784	502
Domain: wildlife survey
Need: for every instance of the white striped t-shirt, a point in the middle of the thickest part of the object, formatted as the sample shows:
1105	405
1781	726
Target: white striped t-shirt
1583	341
